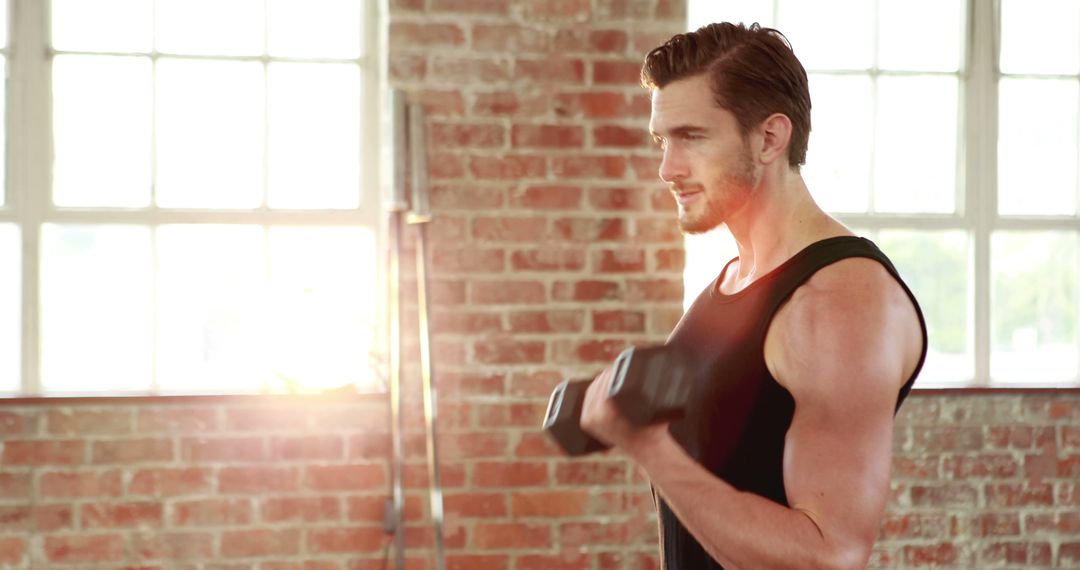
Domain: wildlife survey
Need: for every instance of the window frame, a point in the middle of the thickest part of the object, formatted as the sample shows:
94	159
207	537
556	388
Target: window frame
28	184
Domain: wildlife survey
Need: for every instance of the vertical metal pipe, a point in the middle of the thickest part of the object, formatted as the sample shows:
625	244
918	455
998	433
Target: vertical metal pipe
419	217
396	206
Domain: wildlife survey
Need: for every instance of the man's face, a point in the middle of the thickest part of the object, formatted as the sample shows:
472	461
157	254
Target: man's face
707	162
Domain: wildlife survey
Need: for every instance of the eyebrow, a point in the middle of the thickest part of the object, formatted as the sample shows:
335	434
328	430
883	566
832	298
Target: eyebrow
681	130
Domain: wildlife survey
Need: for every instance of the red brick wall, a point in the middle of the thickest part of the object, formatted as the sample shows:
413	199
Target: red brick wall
554	248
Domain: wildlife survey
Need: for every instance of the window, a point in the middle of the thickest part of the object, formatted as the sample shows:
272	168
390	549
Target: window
947	132
190	204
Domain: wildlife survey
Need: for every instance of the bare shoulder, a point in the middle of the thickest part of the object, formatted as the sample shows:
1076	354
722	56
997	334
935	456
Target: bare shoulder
850	327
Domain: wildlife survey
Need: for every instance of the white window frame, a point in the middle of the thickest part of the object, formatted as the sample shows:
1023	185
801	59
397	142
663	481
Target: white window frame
29	159
977	187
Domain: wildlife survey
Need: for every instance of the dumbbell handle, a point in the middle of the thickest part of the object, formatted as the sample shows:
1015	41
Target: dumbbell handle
573	440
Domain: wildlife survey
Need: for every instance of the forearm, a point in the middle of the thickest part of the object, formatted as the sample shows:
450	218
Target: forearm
740	530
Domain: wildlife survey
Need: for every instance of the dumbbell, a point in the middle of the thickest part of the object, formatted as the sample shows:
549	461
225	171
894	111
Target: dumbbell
650	385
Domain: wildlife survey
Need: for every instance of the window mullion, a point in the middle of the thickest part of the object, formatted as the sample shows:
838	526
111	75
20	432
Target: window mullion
31	154
981	102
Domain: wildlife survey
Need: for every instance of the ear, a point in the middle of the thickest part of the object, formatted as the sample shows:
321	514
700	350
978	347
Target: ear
775	134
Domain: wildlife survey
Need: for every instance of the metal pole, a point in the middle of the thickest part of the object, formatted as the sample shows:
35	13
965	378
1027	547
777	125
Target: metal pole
396	206
419	217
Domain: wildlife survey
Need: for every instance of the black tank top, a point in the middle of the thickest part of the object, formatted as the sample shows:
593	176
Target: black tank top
736	423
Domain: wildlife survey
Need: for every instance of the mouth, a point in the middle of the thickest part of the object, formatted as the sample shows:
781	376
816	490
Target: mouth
686	196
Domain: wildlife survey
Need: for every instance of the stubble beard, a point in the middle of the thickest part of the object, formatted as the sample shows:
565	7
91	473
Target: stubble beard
731	191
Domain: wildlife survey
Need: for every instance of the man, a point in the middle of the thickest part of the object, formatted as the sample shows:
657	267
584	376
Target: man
808	340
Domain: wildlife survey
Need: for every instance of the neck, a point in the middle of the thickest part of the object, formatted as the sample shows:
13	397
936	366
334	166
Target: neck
778	221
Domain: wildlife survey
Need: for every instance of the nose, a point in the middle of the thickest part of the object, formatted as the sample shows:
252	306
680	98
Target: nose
673	167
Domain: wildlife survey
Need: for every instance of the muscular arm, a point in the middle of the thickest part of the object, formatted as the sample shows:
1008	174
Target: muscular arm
843	346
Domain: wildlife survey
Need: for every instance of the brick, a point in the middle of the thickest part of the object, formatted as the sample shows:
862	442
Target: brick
477	562
556	10
260	542
1046	523
562	561
171	482
440	103
660	230
475	505
80	484
620	199
12	550
509	229
549	71
618	321
311	447
590	229
547	136
263	418
548	259
509	38
488	7
370	509
613	532
996	524
535	445
407	67
929	555
654	290
591	473
14	485
466	323
1026	553
1019	495
40	518
212	512
588	290
981	466
84	548
344	477
469	384
343	540
413	35
177	420
230	449
547	321
173	546
132	451
516	474
503	292
122	515
606	72
473	69
466	197
444	166
510	104
81	422
258	479
536	384
614	136
589	167
549	504
547	197
38	453
501	536
18	423
456	135
951	495
472	445
507	167
507	351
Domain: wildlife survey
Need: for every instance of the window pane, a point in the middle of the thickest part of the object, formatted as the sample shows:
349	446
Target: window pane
102	25
315	28
706	255
321	308
225	27
813	28
314	135
210	134
745	11
934	264
1037	146
10	308
96	308
838	159
1033	320
1040	36
211	292
915	151
940	31
3	133
101	121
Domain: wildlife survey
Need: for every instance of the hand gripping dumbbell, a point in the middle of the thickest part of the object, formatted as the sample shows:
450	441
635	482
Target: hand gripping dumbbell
650	385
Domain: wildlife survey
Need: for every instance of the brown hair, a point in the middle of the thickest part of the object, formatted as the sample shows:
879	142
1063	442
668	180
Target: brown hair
753	73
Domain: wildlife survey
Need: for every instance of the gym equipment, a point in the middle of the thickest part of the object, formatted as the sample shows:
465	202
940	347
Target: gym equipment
649	385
